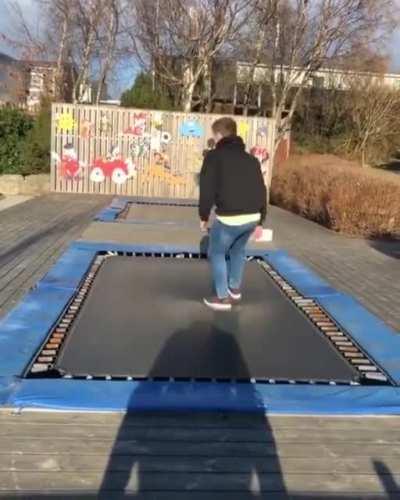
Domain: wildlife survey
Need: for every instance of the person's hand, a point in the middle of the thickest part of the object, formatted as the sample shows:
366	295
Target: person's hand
203	226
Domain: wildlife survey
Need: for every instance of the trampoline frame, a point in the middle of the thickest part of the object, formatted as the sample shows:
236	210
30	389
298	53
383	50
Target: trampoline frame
24	329
120	205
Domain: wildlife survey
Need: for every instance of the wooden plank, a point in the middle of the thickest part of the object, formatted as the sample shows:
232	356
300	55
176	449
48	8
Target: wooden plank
200	420
57	444
67	462
204	482
247	436
33	266
61	494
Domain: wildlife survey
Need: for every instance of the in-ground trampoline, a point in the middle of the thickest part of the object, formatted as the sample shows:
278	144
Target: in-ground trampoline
153	222
135	210
115	327
143	317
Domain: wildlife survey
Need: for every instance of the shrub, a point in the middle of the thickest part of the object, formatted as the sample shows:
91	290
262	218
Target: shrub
14	128
36	150
345	198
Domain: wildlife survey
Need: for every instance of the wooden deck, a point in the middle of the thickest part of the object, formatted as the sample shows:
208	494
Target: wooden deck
222	457
176	457
33	235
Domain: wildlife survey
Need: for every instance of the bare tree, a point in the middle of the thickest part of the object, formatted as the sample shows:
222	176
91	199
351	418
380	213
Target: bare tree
108	42
298	37
20	35
373	111
80	36
250	45
86	25
180	38
58	36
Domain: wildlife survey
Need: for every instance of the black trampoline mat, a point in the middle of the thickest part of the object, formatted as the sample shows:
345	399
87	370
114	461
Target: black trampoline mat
144	318
162	213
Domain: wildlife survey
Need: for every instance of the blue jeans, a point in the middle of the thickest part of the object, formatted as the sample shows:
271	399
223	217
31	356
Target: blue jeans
227	255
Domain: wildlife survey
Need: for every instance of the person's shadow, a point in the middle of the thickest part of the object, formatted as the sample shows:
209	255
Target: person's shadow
386	478
196	452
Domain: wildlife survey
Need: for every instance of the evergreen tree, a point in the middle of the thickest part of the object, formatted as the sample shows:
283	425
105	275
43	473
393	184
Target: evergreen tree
36	151
142	95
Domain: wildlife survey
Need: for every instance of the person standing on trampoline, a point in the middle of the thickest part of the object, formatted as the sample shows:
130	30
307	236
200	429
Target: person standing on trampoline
231	181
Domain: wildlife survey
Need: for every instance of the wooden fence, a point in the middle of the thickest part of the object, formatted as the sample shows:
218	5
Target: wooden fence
109	150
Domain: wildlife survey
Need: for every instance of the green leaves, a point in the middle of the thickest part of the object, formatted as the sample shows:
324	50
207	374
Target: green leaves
142	95
14	128
24	141
36	149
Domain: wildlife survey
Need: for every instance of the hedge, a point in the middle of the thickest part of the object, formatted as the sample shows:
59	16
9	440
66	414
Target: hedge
345	198
24	141
14	128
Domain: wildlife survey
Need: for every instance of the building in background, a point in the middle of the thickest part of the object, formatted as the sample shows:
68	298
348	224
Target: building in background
25	82
230	79
12	81
41	81
324	78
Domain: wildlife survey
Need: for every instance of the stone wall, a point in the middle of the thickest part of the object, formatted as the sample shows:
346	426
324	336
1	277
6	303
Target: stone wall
26	185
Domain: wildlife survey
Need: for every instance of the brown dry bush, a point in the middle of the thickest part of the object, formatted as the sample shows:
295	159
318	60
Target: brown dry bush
348	199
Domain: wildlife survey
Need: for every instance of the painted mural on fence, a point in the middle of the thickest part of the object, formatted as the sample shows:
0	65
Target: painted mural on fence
113	167
66	122
148	141
68	164
85	129
191	128
151	148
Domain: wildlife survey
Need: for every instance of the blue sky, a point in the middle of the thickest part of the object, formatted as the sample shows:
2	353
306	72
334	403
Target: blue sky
127	74
394	49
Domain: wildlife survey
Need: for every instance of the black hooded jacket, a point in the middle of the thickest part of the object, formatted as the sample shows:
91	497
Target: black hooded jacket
231	179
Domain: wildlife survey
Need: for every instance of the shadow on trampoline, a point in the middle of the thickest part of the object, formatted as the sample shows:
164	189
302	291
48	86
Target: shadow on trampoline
195	461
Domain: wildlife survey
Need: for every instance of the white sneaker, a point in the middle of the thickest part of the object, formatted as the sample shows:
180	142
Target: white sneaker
217	304
235	294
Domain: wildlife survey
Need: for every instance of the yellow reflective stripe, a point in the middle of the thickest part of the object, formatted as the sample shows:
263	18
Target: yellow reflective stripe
238	220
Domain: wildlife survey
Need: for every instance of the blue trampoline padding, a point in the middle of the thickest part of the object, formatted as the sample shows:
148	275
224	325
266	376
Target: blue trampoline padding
108	214
380	341
7	387
23	330
69	269
120	203
306	281
203	396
